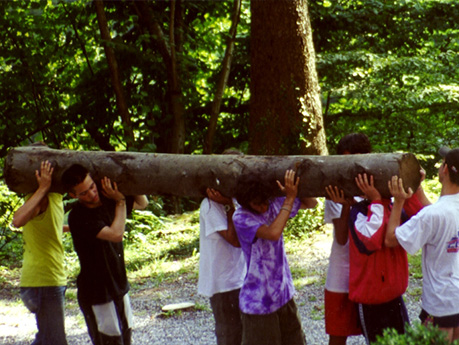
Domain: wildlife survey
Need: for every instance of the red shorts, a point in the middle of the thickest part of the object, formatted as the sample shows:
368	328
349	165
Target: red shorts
341	315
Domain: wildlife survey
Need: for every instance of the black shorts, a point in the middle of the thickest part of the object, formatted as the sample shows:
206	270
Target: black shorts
449	321
374	318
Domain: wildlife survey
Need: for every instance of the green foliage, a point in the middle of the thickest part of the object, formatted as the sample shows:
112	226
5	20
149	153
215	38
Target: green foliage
417	334
306	221
155	243
432	188
393	77
56	84
10	238
37	59
142	222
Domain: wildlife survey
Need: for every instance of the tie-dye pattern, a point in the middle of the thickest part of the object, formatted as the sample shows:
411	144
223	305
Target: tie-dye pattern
268	285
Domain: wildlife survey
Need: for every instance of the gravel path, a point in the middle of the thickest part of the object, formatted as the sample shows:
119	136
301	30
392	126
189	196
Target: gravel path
195	325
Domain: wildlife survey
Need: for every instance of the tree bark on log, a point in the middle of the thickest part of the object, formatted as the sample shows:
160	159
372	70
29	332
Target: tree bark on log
189	175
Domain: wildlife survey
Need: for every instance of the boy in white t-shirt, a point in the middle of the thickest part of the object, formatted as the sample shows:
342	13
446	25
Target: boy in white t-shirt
222	266
435	230
341	318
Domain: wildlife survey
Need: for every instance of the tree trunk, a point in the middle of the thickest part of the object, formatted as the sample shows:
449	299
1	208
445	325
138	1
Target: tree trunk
189	175
114	73
285	105
175	90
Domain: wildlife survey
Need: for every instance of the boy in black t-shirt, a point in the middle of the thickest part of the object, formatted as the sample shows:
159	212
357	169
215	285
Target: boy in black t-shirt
97	224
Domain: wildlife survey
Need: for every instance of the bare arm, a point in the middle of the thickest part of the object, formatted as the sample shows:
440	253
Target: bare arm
340	224
38	202
229	234
114	232
399	194
422	197
140	202
308	203
274	231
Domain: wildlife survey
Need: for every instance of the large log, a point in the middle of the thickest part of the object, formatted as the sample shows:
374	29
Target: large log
189	175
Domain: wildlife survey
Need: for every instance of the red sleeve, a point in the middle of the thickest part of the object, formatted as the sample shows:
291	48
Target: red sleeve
412	205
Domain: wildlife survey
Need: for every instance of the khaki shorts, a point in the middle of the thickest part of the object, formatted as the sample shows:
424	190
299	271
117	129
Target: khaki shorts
283	327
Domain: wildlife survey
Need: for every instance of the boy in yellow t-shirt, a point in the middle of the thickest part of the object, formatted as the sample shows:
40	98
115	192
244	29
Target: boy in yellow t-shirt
43	279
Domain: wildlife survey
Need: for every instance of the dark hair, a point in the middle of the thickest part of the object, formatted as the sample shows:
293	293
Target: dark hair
452	162
74	176
453	175
251	188
354	143
232	151
38	143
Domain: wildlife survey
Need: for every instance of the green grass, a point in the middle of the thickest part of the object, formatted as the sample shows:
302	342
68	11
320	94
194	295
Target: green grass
202	307
415	265
318	312
165	253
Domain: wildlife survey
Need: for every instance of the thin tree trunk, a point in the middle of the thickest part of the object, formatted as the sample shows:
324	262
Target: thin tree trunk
189	175
168	52
77	35
178	109
226	65
114	72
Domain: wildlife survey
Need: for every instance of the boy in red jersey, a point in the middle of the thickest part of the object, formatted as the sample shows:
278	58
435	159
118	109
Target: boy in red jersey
378	275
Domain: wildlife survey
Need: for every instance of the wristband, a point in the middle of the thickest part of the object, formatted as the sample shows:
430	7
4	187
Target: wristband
286	209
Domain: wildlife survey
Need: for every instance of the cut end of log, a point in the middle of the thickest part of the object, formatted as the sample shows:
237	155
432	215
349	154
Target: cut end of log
410	171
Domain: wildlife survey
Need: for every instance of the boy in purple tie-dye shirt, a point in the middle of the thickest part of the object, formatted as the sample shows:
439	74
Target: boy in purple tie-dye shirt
269	313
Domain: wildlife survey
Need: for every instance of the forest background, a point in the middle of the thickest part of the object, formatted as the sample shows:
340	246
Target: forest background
385	68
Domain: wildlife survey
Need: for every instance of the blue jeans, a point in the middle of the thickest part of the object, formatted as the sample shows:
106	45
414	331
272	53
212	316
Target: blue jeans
47	303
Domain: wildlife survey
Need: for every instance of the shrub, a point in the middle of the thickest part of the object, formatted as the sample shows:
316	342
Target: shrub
432	188
306	221
10	238
416	334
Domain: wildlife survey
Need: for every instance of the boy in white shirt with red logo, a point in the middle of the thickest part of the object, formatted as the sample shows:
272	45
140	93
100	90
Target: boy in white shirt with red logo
435	230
